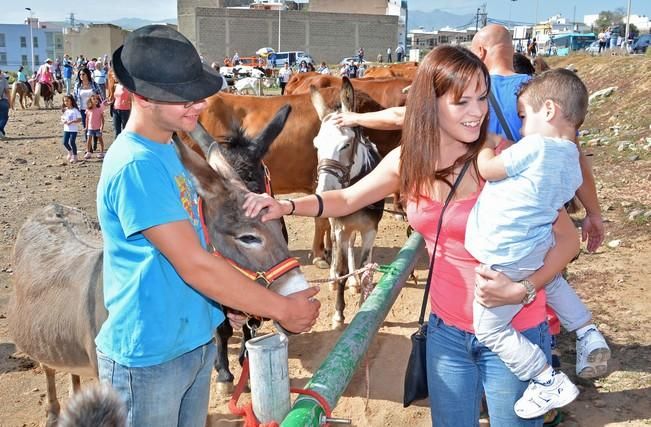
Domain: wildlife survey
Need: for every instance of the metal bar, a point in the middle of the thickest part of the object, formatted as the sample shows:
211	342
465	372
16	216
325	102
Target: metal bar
336	371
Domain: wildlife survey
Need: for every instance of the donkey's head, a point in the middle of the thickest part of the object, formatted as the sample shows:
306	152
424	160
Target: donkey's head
245	153
342	152
247	242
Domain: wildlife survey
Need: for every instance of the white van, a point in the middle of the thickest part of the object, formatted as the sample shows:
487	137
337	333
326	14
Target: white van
294	57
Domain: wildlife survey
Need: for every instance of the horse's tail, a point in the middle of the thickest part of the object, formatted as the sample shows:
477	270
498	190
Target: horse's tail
37	95
14	92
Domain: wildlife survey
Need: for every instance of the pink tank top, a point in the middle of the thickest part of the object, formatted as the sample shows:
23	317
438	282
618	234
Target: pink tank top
122	98
453	279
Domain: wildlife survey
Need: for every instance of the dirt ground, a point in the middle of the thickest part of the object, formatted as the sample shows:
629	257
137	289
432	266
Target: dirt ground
614	282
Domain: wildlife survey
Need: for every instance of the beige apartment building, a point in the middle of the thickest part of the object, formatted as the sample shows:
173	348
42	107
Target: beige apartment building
94	40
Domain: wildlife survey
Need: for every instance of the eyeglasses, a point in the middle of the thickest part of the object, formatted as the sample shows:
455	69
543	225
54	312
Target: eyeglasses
186	105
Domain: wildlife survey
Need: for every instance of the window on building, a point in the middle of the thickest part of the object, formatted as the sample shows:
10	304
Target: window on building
2	39
37	60
23	60
35	42
49	39
23	41
3	58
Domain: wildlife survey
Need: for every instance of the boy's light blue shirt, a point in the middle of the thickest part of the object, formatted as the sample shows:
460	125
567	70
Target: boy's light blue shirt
515	214
154	316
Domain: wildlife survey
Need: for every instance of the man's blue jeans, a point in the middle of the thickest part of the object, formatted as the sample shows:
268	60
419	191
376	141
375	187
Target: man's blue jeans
4	114
460	369
172	394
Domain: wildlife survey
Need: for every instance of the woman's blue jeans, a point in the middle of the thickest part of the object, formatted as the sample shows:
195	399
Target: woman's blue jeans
172	394
460	369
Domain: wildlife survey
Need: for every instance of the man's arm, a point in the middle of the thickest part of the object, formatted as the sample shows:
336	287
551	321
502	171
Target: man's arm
215	278
592	228
387	119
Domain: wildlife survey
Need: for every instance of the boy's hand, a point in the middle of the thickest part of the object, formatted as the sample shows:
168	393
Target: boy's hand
302	311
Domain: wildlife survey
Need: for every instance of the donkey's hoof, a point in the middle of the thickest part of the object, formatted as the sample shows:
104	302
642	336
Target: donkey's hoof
337	325
320	263
224	388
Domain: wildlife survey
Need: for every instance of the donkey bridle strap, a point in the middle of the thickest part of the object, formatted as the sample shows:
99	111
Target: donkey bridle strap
265	278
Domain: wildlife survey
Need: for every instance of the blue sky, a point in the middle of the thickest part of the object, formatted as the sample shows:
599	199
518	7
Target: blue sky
101	10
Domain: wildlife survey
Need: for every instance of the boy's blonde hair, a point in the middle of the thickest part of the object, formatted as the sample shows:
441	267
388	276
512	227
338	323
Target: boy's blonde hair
561	86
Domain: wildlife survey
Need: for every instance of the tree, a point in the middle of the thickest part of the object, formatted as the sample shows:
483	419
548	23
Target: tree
608	18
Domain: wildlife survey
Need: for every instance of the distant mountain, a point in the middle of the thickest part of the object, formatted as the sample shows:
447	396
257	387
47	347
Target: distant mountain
435	19
133	23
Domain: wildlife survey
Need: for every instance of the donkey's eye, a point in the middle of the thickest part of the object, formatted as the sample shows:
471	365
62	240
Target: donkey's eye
249	239
344	147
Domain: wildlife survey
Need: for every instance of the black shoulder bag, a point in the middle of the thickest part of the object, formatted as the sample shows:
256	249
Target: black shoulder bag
416	373
500	116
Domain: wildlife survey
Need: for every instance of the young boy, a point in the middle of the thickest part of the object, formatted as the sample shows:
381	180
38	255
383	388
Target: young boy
510	230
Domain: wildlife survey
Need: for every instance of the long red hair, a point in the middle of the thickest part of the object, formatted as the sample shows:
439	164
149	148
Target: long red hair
446	68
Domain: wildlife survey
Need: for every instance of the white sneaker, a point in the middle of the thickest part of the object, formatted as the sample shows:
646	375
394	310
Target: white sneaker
539	398
592	354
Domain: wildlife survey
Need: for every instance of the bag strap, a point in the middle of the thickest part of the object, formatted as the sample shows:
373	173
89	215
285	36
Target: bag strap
500	116
421	318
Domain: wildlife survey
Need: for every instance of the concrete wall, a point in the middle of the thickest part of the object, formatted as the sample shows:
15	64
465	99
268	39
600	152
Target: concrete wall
325	36
94	41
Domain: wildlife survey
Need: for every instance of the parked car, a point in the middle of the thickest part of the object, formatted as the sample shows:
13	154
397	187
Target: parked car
641	44
350	59
293	57
593	47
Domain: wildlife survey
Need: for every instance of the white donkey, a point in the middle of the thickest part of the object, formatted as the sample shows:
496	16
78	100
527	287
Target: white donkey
344	157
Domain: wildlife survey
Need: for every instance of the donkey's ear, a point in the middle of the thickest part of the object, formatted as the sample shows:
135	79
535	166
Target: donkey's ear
347	95
201	136
207	180
318	102
271	131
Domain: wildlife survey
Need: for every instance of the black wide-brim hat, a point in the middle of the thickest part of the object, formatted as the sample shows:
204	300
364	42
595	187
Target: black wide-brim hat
159	63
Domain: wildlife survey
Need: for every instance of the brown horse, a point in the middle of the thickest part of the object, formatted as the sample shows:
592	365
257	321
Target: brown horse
24	92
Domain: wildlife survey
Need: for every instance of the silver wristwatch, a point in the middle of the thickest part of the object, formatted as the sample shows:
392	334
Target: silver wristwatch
531	292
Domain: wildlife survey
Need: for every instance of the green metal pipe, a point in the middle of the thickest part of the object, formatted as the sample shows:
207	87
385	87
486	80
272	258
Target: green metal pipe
336	371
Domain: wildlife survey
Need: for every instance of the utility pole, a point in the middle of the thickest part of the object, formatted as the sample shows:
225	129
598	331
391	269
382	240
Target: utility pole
477	21
628	23
31	35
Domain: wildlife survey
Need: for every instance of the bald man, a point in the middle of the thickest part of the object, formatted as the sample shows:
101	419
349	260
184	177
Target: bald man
494	45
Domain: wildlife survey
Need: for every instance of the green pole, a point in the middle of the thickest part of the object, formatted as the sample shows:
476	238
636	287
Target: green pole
336	371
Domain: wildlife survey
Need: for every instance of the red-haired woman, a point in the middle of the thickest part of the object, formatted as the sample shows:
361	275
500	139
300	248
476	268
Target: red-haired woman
444	127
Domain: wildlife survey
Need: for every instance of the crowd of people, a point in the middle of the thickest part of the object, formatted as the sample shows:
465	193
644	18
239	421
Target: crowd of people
497	271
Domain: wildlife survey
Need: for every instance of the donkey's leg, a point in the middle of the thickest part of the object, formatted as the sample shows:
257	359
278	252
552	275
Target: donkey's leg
75	384
337	257
337	269
224	375
53	406
352	283
321	227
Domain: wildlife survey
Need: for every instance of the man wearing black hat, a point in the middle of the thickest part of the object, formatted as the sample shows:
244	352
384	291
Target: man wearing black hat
156	352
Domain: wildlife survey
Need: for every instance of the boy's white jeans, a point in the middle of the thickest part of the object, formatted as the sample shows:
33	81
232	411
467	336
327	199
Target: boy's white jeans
493	325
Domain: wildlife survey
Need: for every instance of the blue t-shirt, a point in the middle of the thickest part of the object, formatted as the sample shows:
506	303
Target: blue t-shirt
506	89
153	315
67	69
515	214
